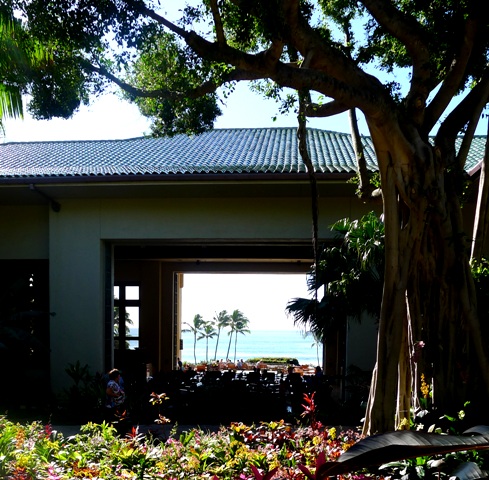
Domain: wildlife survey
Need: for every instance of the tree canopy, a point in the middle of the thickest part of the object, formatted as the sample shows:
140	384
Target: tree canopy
171	67
177	67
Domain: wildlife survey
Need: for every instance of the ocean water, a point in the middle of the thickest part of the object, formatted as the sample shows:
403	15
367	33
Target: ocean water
258	343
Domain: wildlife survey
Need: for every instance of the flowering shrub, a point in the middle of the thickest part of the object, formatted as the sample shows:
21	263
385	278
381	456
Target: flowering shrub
268	451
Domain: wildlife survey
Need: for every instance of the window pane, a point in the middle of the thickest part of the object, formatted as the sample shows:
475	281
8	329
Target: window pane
132	321
116	292
132	293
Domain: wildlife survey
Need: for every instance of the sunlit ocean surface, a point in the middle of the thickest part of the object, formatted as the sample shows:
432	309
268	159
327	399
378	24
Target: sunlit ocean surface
258	343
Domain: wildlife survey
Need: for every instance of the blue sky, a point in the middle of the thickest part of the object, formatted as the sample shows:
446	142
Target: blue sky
108	117
261	297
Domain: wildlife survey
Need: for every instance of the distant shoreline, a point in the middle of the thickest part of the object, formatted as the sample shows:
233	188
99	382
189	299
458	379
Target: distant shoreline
259	343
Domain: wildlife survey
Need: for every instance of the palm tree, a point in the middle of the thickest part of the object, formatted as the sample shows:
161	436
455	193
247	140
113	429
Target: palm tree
316	343
241	326
125	324
207	331
221	321
11	54
195	327
234	318
21	59
353	269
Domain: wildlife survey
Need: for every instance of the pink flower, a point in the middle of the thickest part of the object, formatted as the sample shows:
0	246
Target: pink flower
52	474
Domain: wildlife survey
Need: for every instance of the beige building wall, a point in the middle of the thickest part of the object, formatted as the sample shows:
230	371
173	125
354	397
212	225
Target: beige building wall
219	218
24	232
75	239
76	272
361	345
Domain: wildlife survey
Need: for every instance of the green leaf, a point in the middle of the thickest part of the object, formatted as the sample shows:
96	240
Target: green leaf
389	447
468	471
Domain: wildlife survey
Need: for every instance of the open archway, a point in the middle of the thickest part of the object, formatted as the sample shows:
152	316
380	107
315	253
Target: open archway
262	299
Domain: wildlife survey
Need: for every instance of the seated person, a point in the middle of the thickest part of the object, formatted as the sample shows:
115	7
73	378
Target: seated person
222	364
114	392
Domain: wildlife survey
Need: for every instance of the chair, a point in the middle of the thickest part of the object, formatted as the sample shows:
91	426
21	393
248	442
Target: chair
228	377
211	377
253	378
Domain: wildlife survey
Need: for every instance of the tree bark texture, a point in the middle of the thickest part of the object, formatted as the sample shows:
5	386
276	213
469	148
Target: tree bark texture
428	276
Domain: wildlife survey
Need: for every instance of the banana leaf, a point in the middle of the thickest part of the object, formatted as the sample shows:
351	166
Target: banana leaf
468	471
393	446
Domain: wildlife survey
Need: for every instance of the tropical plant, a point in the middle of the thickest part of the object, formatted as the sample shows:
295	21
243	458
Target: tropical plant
207	331
33	450
480	271
195	327
12	54
316	343
85	395
117	324
236	321
270	450
391	447
240	327
221	321
275	360
39	67
354	269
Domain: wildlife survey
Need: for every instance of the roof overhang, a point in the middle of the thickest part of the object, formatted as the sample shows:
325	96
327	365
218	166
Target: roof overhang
41	190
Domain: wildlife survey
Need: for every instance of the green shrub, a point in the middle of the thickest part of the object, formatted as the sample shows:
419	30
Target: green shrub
275	360
270	450
33	451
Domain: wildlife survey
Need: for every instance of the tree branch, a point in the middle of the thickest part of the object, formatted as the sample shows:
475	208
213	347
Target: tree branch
144	10
203	89
471	127
304	99
364	187
325	110
346	82
409	32
468	111
334	77
454	78
217	22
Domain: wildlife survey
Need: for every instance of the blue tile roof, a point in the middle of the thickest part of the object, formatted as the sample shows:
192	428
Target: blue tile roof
220	151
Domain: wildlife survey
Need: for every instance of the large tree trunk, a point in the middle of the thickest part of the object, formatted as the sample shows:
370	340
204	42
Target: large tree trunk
429	295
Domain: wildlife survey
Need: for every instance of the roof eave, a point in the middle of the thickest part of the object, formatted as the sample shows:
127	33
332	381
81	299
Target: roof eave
164	178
